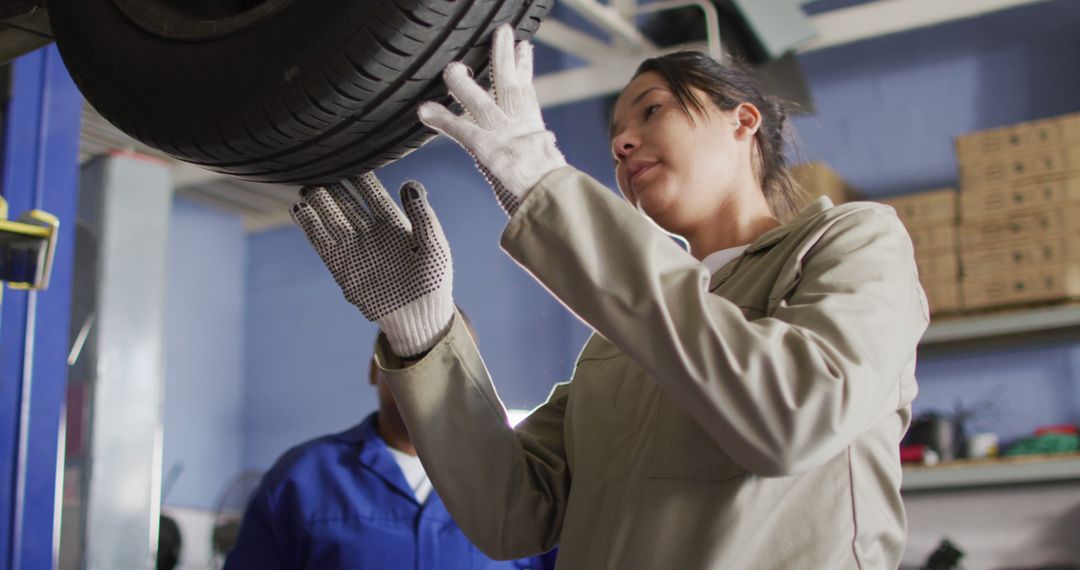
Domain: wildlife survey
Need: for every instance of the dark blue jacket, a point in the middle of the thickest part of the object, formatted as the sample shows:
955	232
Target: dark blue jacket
342	502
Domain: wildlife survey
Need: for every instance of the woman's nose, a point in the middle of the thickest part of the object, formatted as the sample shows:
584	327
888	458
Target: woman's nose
623	145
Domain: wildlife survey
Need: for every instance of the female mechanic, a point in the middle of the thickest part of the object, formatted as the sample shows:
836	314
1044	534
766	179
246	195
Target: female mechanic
741	402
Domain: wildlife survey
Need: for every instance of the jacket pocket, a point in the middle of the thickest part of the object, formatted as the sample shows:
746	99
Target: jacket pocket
682	450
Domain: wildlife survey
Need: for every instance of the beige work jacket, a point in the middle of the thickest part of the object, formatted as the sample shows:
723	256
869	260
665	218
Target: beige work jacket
744	420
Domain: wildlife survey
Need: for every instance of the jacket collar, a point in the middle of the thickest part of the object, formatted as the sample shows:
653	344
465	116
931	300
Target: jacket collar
771	238
375	456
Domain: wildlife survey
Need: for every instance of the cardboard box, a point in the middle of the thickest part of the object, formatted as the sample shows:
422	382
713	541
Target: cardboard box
943	296
1021	257
816	179
984	202
941	267
1045	284
1020	138
933	207
1017	228
1019	167
932	240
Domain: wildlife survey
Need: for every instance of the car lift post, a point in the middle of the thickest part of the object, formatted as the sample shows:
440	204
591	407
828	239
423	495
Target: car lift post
39	178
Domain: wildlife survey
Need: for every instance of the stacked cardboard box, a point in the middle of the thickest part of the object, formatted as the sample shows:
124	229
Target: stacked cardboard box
1020	213
931	219
816	179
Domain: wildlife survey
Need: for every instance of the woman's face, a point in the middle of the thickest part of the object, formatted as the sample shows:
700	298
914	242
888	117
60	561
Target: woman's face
675	171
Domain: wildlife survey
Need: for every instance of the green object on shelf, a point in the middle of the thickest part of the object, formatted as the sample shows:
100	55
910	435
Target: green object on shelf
1046	443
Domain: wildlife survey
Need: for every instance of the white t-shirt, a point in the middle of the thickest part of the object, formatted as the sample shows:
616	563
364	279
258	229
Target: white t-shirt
414	473
717	259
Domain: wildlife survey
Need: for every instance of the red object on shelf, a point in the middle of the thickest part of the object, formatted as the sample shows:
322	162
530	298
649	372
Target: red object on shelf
912	453
1067	429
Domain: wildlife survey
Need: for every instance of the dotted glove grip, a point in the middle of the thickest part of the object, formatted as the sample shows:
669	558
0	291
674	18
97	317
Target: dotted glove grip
395	267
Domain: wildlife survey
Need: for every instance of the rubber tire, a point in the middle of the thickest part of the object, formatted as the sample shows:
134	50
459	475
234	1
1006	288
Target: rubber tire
317	91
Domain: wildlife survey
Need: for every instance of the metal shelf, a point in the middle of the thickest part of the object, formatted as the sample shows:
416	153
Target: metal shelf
1017	327
1014	471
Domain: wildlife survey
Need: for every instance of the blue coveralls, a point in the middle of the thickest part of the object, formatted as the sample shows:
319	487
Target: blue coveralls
342	502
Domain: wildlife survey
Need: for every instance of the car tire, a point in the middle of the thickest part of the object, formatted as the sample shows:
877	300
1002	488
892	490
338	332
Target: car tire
281	91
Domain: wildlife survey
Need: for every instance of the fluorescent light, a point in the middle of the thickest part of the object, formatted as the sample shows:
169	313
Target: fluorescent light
514	417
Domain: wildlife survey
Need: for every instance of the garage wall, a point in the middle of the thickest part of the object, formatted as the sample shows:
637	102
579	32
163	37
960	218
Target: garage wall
204	352
305	350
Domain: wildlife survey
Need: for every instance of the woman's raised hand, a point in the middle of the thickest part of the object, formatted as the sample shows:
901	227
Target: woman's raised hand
504	132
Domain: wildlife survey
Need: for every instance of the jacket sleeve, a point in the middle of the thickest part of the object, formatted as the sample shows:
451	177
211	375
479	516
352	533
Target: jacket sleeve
506	488
780	394
258	544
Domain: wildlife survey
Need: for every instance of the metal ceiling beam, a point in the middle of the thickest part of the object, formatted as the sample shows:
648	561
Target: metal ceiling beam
608	19
886	17
567	39
837	27
603	78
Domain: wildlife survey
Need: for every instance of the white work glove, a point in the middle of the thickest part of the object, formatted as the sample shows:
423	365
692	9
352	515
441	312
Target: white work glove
395	268
505	134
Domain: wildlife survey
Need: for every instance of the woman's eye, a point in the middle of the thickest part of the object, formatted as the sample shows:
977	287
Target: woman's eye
651	109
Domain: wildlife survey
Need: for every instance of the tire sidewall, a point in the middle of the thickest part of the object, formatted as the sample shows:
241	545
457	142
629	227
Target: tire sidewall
185	81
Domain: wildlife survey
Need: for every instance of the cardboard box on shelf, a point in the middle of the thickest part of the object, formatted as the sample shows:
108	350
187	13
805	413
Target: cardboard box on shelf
1007	260
943	296
817	179
941	267
1023	137
1017	167
933	207
980	202
1017	228
933	240
1047	283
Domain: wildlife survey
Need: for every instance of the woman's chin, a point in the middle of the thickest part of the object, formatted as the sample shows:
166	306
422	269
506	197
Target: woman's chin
650	199
655	210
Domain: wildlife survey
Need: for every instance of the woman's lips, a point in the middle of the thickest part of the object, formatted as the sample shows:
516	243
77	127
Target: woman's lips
640	172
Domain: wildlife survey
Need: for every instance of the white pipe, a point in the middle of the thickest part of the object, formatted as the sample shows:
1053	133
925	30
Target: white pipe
570	40
608	19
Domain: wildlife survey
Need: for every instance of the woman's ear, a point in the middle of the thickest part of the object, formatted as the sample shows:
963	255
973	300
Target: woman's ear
749	120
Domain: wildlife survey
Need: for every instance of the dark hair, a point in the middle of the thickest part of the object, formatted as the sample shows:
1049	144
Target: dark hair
728	85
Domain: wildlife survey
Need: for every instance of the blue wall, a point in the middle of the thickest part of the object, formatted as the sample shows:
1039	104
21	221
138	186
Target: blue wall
306	349
204	352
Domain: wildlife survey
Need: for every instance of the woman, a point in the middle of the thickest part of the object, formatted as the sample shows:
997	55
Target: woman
740	405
